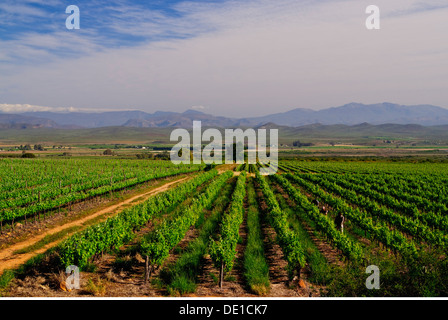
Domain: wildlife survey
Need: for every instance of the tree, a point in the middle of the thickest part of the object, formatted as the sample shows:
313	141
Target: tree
299	144
162	156
146	155
28	155
108	152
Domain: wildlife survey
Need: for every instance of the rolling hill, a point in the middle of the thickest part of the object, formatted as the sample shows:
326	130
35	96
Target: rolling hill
362	133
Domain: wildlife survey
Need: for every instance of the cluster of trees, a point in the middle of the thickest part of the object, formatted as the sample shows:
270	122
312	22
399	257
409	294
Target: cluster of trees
299	144
157	156
145	155
108	152
37	147
165	155
28	155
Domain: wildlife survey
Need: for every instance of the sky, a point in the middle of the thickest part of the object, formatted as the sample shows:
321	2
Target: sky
223	57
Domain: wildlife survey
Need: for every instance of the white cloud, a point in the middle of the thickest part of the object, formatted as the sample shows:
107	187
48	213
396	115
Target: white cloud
22	108
199	108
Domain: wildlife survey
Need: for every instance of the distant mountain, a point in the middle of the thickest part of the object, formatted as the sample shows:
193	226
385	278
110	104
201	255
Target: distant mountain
356	113
364	133
349	114
92	120
18	120
134	119
183	120
291	118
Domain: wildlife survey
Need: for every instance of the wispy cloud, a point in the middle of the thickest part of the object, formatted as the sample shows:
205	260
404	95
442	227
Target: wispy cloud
22	108
14	10
418	7
199	108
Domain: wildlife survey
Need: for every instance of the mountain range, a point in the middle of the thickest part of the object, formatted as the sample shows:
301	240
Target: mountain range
349	114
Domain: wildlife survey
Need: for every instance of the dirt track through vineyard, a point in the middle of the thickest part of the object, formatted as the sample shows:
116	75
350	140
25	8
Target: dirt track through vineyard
10	260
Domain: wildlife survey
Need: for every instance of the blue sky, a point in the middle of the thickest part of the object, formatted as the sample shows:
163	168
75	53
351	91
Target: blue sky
228	57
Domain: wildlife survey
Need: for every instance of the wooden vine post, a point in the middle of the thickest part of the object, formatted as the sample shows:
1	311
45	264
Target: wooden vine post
221	275
147	269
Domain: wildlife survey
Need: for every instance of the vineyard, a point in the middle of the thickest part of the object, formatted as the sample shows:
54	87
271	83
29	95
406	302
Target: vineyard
229	231
30	188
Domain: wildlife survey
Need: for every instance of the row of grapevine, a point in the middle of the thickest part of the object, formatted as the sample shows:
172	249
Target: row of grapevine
157	244
417	200
406	171
287	239
252	168
316	168
359	185
376	229
53	190
406	224
242	167
24	176
350	249
223	250
78	193
115	231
